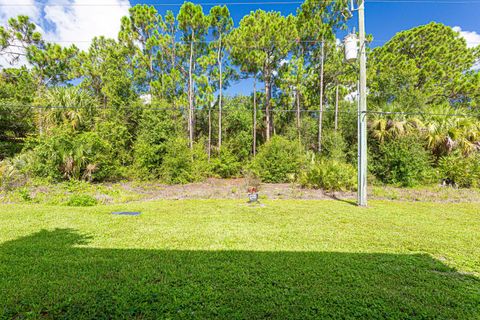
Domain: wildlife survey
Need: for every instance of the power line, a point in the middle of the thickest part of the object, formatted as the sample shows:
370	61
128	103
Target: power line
459	115
172	4
426	1
175	4
215	41
149	108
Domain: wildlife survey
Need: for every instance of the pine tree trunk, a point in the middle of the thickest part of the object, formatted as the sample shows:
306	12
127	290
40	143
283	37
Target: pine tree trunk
320	115
150	66
336	108
41	120
190	97
267	108
254	115
220	95
173	57
299	124
209	132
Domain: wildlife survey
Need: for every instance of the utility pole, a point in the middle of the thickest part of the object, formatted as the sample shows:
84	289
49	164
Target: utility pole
362	111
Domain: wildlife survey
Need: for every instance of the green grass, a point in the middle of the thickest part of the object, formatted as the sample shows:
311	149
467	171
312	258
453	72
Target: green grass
224	259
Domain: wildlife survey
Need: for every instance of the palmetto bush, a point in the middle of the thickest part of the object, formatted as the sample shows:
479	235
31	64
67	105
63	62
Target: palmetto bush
67	106
385	127
11	173
445	133
461	171
65	155
443	128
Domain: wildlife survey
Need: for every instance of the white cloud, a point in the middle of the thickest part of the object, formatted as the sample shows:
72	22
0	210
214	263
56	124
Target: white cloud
472	37
78	21
68	21
7	11
20	7
473	40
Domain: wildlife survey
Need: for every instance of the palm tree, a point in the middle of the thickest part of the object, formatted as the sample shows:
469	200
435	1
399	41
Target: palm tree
393	123
445	131
69	106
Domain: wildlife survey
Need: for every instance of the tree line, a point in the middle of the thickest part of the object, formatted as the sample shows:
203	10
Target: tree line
151	103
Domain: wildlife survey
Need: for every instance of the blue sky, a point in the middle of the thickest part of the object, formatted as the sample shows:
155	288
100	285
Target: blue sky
81	20
383	19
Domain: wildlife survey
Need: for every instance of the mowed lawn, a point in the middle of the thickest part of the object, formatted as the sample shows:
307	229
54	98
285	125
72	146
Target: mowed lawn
225	259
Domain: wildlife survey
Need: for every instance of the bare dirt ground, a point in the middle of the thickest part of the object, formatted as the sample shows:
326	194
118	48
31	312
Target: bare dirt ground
226	189
237	189
128	191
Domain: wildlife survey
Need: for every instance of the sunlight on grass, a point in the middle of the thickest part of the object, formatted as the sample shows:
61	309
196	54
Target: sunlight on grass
203	259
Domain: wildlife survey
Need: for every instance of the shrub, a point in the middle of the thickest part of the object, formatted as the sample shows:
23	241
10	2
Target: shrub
334	145
463	172
183	165
237	137
403	161
177	161
278	160
239	145
330	175
82	200
25	194
12	172
155	129
120	139
201	168
67	155
226	164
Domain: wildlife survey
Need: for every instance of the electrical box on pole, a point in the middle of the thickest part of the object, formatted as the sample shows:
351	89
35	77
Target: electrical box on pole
351	47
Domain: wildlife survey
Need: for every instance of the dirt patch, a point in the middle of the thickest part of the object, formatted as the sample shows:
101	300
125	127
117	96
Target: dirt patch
237	189
228	189
128	191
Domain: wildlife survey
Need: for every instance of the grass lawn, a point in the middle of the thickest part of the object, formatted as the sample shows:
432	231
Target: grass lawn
224	259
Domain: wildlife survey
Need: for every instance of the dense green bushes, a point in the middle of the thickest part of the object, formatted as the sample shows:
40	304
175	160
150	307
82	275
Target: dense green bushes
73	156
329	175
121	110
403	162
155	129
460	171
226	164
279	160
181	164
149	142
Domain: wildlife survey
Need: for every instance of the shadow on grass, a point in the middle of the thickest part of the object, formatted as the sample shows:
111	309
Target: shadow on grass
50	275
333	196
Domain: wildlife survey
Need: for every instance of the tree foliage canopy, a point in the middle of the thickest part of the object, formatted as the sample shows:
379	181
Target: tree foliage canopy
154	98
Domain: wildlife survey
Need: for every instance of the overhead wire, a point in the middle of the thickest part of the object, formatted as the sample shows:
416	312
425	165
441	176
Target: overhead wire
237	3
214	41
183	108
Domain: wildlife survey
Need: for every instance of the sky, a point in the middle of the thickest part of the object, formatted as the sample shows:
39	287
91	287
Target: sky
78	21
